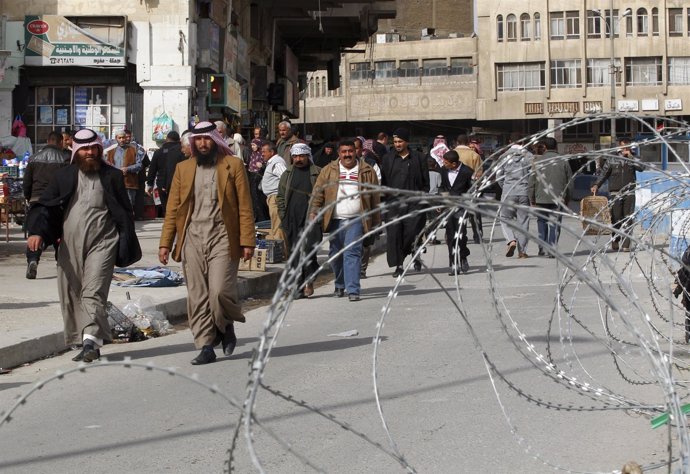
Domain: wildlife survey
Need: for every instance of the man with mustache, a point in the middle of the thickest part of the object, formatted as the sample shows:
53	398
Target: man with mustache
210	219
87	208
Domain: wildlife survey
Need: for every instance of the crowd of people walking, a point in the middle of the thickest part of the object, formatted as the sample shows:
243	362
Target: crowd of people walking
214	189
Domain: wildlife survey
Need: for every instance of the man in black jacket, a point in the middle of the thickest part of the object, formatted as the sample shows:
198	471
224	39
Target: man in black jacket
456	180
86	207
402	168
39	172
163	164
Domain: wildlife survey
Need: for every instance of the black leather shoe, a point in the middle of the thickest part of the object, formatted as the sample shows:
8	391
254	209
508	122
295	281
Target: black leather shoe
31	270
206	356
477	239
89	353
453	271
417	265
229	340
339	292
398	271
464	266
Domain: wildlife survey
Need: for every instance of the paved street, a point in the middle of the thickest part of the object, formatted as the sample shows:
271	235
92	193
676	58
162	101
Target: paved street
437	397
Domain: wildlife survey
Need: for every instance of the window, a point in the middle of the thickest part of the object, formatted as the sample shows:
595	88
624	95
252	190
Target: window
593	24
384	69
642	22
525	27
628	25
408	69
318	87
675	22
572	22
616	23
434	67
599	72
358	72
566	73
579	132
557	25
461	66
643	71
537	26
679	71
499	27
311	87
324	85
60	108
511	28
520	76
655	21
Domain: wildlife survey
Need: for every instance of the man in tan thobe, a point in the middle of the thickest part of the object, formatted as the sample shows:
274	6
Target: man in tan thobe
210	219
86	207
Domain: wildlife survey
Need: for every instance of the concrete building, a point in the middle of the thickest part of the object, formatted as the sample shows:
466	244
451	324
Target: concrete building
533	64
75	63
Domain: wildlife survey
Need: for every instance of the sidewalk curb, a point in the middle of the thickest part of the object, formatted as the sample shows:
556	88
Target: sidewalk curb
34	347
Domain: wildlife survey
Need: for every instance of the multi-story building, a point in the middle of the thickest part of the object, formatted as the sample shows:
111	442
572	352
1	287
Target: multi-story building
533	65
74	63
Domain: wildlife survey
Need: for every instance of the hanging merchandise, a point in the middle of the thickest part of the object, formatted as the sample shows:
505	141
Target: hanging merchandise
18	127
161	125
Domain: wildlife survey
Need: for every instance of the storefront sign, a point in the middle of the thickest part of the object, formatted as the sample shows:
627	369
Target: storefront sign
234	94
592	106
563	107
650	104
628	106
673	104
534	108
52	40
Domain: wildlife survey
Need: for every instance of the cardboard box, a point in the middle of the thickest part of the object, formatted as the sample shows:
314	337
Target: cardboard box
257	263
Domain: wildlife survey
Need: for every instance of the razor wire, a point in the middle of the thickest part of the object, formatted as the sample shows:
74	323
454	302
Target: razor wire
637	324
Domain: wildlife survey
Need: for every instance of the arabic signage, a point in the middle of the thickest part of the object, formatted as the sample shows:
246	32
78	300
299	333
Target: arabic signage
52	40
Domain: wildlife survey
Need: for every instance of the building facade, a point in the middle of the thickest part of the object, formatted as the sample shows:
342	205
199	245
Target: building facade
73	63
532	65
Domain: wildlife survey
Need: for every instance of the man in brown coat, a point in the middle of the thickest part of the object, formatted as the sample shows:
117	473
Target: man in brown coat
347	214
210	218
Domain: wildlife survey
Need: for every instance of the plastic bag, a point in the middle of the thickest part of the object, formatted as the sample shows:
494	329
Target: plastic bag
161	125
18	127
143	313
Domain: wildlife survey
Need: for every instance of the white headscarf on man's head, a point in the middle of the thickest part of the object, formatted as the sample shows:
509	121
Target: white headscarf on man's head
208	129
85	138
301	149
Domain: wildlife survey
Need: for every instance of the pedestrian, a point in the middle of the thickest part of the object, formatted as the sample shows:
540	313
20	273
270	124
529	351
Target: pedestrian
402	168
456	180
67	135
210	221
274	168
39	172
256	161
86	207
325	155
347	215
469	157
683	288
512	173
163	164
550	184
286	138
294	192
371	157
125	158
620	171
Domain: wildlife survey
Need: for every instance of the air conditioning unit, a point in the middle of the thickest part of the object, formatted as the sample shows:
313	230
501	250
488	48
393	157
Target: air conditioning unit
428	31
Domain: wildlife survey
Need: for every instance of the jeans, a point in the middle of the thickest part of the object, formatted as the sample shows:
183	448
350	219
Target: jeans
347	265
132	195
548	224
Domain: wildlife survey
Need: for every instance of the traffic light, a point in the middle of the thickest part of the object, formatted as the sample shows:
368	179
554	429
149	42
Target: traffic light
217	90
